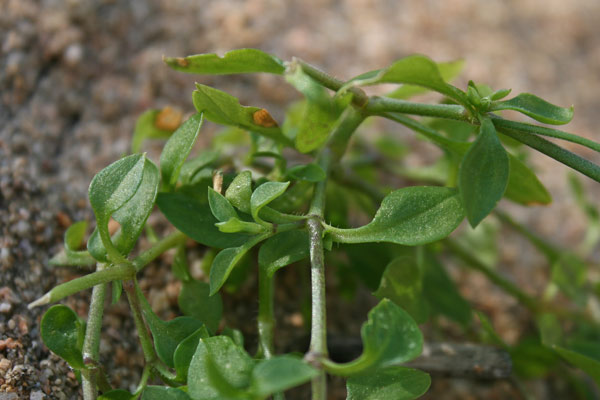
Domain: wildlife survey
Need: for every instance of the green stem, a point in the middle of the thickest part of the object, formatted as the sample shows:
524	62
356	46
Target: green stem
132	290
340	137
510	288
91	342
380	105
318	333
544	131
173	240
266	320
144	379
564	156
359	96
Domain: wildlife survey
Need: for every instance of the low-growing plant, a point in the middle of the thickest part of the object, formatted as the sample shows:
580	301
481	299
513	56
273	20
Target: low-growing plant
292	199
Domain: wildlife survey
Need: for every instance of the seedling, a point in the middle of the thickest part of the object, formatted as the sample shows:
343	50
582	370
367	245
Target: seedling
284	212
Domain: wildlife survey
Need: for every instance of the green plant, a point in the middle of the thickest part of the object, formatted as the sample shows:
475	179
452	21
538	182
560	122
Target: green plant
280	213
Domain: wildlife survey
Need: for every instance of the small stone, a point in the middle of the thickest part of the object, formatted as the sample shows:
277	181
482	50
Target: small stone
22	228
37	395
5	307
73	54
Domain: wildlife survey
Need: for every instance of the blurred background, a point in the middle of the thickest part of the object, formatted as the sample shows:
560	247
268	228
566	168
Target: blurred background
75	75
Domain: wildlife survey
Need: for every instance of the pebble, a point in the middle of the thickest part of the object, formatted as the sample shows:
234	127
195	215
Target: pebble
5	307
37	395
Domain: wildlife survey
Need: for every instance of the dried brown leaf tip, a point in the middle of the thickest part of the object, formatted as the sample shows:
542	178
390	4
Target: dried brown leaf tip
264	119
182	61
168	119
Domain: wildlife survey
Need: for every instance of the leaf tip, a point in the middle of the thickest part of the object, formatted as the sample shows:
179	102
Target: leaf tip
45	299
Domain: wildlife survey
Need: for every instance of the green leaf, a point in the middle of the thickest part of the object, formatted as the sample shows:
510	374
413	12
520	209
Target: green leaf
523	186
232	363
240	61
308	172
500	94
536	108
220	207
394	383
178	148
441	293
278	374
110	189
409	216
164	393
226	260
146	128
72	255
587	364
62	332
194	218
390	337
234	334
283	249
263	195
131	215
413	70
167	335
321	112
194	301
185	351
402	283
191	168
224	109
74	237
448	71
483	174
234	225
569	273
117	394
180	266
239	191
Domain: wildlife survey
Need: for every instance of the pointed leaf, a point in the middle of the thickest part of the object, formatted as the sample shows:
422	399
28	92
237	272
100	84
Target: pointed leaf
283	249
278	374
448	71
62	332
191	168
483	174
185	351
74	236
110	189
264	194
410	216
234	225
523	186
239	191
590	366
239	61
131	216
194	218
414	70
402	283
220	207
225	109
226	260
232	363
178	148
390	337
394	383
194	301
536	108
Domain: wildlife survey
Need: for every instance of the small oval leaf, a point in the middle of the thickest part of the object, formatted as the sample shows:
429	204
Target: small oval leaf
409	216
278	374
220	207
62	332
536	108
394	383
239	61
239	191
178	148
308	172
483	174
264	194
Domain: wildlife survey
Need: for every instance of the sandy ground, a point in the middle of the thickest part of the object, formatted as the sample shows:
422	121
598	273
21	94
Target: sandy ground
74	75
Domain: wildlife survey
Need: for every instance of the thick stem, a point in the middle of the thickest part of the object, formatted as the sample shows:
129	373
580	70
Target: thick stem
91	342
318	333
381	105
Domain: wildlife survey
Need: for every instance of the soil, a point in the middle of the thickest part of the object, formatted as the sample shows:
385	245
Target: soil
74	75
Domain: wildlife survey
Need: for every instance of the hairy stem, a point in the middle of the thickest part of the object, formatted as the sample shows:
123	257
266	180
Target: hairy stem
91	342
173	240
318	333
380	105
132	291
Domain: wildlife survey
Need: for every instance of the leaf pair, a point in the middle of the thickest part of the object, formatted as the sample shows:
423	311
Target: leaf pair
221	369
